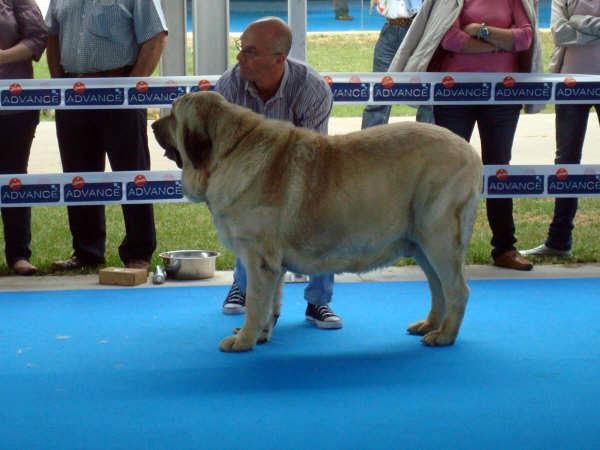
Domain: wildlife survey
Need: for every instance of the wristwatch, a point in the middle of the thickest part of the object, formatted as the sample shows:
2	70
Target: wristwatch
483	32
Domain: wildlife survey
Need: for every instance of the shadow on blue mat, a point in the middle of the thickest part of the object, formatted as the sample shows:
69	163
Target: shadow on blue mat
141	368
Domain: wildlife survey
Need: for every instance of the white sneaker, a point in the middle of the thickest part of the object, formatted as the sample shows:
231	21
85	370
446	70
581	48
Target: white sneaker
323	317
235	303
291	277
544	250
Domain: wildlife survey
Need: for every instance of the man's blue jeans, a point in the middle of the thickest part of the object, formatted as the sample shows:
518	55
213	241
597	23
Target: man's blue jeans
390	38
571	125
318	291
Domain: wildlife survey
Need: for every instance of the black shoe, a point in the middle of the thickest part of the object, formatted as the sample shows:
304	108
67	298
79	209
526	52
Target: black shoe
235	303
138	263
323	317
71	264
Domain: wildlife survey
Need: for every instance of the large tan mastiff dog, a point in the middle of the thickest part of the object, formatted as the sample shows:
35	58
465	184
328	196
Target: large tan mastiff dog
287	198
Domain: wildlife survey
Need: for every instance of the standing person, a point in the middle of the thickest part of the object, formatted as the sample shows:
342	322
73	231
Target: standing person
575	28
266	81
340	8
23	37
474	36
399	15
115	38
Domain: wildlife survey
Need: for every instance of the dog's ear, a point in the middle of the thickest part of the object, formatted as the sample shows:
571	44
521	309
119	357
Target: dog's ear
198	145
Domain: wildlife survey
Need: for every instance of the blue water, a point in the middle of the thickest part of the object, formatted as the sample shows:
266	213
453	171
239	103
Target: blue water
320	16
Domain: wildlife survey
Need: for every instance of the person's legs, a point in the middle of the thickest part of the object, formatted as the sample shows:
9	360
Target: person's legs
319	289
235	302
389	40
318	294
340	8
17	131
458	119
80	146
425	114
497	127
571	125
126	141
239	275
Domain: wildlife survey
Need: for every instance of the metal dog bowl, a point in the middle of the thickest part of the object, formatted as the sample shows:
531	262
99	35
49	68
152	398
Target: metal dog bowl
189	264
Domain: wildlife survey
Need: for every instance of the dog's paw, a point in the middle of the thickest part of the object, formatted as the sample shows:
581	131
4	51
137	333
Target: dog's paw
438	339
234	344
265	335
420	328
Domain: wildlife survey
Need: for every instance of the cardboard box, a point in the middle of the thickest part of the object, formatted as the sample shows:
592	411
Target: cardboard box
122	276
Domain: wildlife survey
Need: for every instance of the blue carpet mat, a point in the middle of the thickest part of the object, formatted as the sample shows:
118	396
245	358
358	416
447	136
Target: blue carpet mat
140	369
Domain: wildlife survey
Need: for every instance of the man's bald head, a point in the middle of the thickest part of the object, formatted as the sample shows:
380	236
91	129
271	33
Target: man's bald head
275	31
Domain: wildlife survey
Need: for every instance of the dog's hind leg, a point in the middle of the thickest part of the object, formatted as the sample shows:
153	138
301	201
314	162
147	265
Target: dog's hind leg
263	284
438	302
447	260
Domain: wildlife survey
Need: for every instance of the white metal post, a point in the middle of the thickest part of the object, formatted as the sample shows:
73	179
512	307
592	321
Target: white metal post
173	59
297	22
211	36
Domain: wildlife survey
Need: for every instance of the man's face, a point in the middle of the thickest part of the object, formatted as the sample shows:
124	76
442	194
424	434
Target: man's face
256	59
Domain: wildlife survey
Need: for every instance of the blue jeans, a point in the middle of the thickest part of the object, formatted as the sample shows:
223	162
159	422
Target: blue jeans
571	125
497	125
318	291
390	38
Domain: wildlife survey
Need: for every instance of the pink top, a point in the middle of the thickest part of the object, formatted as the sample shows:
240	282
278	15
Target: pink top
495	13
583	58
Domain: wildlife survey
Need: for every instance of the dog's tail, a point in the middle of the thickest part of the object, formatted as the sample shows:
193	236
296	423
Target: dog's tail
467	211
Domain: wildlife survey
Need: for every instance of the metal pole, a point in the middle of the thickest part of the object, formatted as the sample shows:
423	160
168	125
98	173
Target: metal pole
173	59
211	36
297	22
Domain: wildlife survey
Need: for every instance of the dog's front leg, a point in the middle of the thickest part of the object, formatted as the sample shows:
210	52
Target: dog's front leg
263	291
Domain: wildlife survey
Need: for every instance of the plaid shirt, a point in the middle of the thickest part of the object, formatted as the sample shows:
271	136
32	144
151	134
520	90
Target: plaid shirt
99	35
303	97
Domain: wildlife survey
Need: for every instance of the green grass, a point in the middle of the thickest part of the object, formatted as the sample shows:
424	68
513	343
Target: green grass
189	226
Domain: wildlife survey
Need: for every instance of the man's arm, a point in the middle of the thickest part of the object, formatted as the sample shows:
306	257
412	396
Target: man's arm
149	55
53	57
19	52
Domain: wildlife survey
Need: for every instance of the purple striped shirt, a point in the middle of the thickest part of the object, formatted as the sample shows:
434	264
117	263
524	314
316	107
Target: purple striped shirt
303	97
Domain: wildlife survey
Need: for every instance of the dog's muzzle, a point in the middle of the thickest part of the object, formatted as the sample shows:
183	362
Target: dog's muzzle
170	152
173	155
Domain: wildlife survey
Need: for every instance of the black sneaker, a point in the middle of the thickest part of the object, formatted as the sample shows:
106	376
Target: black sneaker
235	303
323	317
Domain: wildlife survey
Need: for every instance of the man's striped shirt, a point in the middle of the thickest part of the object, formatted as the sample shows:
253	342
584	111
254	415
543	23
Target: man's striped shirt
303	97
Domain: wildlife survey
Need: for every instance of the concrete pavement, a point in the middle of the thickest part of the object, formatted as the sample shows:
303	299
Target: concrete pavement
225	278
534	142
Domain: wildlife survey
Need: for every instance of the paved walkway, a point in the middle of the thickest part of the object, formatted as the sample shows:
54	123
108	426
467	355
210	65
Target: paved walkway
224	278
534	143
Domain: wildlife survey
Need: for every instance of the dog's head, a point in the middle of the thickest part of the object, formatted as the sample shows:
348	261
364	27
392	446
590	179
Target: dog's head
184	133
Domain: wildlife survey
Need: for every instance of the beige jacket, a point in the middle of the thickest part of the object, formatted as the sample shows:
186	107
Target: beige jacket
570	30
430	26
